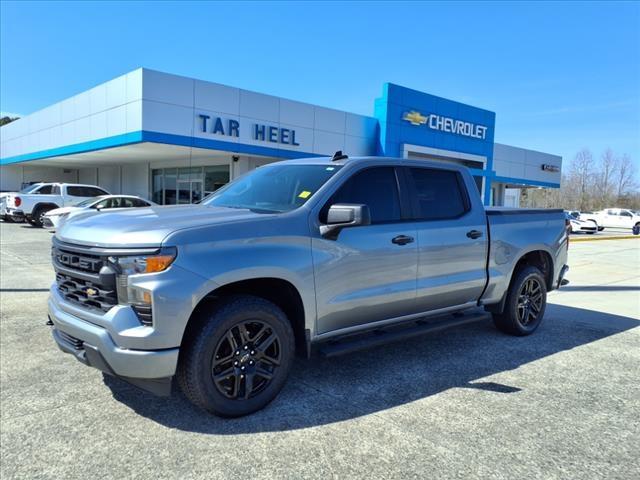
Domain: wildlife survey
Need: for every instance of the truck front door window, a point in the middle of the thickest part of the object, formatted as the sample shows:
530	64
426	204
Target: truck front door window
375	187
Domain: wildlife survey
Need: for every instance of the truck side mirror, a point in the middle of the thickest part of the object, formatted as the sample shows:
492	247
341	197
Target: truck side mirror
344	215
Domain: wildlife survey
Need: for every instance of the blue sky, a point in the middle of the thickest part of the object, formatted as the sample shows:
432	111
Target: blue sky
560	76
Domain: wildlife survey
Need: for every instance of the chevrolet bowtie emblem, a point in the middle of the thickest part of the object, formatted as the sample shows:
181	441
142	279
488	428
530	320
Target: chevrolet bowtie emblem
415	118
91	292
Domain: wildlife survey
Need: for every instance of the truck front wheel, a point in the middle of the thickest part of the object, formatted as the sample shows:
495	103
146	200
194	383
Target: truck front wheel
525	305
238	358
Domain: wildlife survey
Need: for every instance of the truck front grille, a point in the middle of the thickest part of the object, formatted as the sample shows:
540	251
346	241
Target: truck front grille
79	278
76	261
85	293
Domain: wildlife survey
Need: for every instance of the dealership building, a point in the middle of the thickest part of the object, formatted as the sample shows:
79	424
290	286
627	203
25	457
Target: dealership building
174	139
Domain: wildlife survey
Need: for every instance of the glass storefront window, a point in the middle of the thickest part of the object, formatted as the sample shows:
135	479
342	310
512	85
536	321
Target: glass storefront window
156	187
170	185
215	177
183	185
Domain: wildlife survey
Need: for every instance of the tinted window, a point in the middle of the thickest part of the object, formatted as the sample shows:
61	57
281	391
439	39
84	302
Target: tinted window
85	191
46	190
438	194
102	204
375	187
139	203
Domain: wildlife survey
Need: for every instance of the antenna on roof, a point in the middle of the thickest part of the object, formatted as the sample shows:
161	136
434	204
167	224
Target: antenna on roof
339	156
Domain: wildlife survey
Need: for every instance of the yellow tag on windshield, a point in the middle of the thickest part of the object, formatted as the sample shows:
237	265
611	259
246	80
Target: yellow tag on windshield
304	194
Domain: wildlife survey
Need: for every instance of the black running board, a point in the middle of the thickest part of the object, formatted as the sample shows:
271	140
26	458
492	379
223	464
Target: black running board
381	336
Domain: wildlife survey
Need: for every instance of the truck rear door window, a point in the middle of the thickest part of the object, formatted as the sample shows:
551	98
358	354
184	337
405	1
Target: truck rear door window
439	194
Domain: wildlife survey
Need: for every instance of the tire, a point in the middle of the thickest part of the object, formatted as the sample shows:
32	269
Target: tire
600	229
210	342
38	215
516	319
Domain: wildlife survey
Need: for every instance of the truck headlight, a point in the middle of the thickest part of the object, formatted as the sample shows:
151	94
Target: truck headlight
138	297
138	264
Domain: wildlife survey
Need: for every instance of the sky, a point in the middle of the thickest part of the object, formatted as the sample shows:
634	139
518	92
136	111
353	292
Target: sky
560	76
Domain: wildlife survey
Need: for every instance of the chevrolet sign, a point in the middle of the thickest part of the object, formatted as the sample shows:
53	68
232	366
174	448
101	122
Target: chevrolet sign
550	168
446	124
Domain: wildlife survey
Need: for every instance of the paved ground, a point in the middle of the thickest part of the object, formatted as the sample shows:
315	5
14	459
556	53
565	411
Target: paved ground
468	403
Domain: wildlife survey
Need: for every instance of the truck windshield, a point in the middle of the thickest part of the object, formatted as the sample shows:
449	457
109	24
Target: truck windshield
273	188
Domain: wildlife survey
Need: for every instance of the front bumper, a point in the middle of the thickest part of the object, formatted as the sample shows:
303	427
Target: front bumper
93	345
50	222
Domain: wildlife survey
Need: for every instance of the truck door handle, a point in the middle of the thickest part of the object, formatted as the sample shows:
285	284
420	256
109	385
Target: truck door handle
474	234
402	240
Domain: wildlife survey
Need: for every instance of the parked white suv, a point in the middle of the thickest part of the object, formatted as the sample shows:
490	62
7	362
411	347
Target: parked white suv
32	206
612	218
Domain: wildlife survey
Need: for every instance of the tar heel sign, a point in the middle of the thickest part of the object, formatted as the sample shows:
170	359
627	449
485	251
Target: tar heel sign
446	124
259	132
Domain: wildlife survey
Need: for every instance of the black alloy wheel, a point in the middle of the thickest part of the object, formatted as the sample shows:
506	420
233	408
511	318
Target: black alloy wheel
236	357
246	360
529	301
525	304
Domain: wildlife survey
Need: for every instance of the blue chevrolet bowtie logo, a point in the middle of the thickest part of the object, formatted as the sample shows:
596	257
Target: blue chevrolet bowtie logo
415	118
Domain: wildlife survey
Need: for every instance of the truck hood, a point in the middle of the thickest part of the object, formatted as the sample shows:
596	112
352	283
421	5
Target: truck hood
144	227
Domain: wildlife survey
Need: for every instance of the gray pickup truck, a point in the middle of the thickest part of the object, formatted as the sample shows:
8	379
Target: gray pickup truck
319	255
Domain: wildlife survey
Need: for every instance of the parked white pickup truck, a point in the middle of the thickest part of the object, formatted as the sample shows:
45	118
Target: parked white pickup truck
33	205
5	195
612	218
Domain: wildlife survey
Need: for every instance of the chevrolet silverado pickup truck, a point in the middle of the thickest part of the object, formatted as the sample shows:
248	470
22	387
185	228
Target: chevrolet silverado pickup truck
34	204
322	255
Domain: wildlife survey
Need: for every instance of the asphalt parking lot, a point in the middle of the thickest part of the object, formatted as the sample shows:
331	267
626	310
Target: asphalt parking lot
466	403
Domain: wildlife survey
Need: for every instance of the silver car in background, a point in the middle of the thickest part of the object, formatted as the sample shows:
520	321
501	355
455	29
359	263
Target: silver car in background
53	218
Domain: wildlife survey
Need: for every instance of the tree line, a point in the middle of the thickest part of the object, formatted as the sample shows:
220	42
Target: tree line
590	184
6	119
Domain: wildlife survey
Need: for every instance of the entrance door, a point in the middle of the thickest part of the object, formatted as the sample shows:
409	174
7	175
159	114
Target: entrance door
189	191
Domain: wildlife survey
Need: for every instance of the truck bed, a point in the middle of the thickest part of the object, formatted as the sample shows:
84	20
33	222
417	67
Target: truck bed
515	231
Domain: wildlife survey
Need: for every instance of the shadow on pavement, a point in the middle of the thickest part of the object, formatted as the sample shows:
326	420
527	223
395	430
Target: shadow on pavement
324	391
600	288
24	290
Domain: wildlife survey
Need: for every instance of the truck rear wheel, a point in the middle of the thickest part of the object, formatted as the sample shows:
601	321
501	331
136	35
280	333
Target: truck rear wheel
238	358
525	305
37	218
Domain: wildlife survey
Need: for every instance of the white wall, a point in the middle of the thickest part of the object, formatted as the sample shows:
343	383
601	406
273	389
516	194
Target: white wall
112	108
88	176
514	162
12	176
135	180
172	104
109	178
